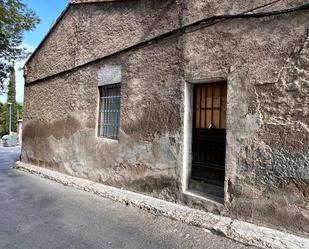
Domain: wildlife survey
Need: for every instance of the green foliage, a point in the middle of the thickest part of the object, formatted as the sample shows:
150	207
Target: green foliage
3	119
15	18
16	108
20	111
4	113
11	98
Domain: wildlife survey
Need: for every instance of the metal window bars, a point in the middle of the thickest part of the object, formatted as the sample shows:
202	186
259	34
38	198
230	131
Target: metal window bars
210	105
110	111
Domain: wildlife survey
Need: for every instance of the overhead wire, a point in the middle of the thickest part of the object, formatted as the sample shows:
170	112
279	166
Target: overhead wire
181	30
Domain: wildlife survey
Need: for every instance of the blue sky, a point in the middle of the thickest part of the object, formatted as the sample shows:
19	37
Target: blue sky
48	11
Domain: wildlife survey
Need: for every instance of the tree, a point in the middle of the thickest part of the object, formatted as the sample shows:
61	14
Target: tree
20	111
4	121
3	111
15	18
11	98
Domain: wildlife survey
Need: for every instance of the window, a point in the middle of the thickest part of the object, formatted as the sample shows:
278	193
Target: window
110	111
210	101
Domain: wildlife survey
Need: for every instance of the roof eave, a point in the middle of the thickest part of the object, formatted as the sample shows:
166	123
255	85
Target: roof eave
71	2
48	33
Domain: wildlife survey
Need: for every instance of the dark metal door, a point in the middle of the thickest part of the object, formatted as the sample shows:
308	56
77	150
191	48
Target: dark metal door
209	133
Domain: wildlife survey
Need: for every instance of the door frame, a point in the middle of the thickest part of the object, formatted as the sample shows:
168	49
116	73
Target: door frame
188	129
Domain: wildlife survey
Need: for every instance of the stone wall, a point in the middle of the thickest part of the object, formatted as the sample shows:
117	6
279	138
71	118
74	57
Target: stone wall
264	60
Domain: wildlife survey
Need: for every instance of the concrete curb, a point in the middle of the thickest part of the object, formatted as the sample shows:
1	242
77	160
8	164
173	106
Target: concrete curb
237	230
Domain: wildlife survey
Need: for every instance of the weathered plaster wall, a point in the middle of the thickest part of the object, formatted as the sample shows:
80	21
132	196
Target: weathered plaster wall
266	64
265	61
194	10
96	30
60	121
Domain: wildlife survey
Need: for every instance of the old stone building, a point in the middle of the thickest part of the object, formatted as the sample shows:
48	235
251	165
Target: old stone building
199	102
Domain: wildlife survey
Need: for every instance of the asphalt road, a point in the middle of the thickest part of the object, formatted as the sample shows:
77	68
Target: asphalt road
39	213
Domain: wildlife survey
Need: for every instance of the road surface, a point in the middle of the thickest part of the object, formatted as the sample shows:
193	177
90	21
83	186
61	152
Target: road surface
38	213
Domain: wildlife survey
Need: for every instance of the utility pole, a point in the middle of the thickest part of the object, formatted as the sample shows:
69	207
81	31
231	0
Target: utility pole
10	121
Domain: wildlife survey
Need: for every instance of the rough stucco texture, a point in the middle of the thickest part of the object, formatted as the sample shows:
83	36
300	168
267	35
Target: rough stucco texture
91	27
264	60
266	63
146	156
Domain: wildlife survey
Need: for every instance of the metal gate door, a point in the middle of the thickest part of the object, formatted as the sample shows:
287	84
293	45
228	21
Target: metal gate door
209	133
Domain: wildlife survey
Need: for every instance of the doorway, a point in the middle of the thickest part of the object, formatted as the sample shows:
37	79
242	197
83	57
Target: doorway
209	137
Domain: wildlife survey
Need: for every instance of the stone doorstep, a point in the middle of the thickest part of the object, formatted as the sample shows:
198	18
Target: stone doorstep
240	231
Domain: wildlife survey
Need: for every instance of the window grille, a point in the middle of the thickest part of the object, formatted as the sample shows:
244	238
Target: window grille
210	102
110	111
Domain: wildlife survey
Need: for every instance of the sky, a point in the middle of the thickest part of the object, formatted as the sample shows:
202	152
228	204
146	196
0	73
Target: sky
48	11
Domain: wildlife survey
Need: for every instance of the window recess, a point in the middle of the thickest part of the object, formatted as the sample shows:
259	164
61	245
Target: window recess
110	111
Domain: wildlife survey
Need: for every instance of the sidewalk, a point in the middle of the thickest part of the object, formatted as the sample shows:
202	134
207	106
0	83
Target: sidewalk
240	231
